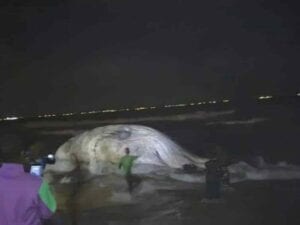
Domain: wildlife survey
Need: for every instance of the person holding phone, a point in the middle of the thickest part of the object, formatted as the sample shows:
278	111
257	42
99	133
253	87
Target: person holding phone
25	199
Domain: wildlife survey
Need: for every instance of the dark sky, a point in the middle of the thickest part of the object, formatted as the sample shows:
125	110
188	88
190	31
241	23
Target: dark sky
61	56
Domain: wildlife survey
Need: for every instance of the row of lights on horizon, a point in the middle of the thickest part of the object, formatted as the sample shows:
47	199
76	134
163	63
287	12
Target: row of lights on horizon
11	118
117	110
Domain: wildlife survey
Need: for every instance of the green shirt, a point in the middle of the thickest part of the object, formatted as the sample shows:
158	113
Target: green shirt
47	197
126	163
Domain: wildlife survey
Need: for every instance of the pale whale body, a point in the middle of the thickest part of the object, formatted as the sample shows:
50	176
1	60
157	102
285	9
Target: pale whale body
99	150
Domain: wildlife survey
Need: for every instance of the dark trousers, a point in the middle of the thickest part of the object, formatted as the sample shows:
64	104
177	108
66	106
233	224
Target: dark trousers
132	181
213	189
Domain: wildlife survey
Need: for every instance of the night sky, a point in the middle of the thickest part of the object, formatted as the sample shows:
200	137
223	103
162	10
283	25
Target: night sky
65	56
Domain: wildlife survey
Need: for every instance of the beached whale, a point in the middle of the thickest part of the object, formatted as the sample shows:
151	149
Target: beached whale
99	150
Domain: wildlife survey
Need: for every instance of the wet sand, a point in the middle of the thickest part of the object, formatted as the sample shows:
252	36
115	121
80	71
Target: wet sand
251	202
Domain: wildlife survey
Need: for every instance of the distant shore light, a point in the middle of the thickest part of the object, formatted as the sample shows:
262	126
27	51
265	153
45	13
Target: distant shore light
11	118
109	110
140	108
265	97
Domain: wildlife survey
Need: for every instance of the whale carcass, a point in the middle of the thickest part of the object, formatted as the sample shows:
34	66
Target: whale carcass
99	150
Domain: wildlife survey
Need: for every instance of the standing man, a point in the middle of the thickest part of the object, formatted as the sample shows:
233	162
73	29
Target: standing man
223	160
25	199
126	164
213	177
217	174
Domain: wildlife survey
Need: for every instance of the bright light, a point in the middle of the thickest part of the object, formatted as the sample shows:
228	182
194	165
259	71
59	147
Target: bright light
68	114
109	110
140	108
298	94
47	115
225	100
50	156
265	97
11	118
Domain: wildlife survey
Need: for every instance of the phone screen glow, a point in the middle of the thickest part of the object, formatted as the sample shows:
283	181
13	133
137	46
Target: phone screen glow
36	170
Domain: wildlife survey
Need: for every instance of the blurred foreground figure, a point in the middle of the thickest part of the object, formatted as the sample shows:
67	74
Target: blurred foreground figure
25	199
223	161
216	173
126	164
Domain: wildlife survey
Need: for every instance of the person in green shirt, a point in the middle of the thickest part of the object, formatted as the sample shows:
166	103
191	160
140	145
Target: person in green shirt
126	164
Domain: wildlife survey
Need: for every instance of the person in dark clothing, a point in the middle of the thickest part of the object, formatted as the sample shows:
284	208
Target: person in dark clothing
223	160
214	175
217	174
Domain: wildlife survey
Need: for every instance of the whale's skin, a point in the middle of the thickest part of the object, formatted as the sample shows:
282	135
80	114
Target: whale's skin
99	150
